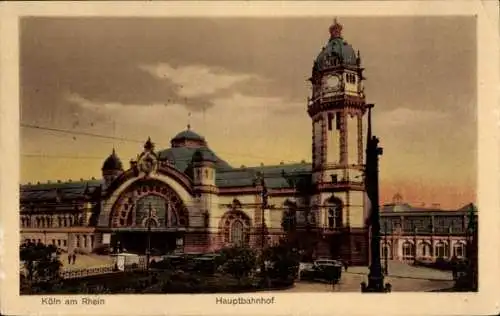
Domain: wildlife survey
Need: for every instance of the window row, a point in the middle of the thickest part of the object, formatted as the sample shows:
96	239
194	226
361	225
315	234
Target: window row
48	222
441	250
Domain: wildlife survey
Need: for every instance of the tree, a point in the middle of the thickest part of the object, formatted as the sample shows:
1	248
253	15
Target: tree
238	261
41	262
283	260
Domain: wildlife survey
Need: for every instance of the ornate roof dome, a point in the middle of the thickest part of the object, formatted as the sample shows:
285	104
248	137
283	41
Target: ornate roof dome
112	162
188	138
337	51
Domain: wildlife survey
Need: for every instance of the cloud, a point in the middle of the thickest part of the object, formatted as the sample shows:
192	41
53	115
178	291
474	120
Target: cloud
405	117
197	80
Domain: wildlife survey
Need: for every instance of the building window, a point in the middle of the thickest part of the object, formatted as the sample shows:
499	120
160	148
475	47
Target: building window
408	250
65	243
459	250
330	121
334	213
59	242
59	221
237	233
426	250
84	241
386	251
92	241
77	241
54	242
236	228
331	218
441	250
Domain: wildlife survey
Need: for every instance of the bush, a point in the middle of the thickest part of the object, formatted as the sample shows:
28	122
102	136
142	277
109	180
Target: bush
284	262
237	261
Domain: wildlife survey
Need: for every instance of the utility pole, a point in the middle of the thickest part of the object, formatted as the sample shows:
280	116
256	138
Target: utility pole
386	249
263	206
373	151
148	250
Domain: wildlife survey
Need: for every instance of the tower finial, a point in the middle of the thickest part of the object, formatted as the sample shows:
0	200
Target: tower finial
335	29
149	144
189	121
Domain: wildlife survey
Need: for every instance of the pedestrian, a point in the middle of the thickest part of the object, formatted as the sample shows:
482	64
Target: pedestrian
74	258
346	265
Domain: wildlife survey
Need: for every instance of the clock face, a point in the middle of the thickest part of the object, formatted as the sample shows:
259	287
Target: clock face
332	82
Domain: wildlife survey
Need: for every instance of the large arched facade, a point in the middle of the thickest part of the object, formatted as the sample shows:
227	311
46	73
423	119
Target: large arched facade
147	213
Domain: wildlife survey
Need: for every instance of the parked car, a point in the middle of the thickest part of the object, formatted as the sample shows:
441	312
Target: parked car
322	269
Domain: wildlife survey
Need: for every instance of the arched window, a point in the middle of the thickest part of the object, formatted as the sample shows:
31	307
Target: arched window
408	250
441	250
459	250
386	251
59	221
334	213
425	250
237	232
331	218
236	228
289	220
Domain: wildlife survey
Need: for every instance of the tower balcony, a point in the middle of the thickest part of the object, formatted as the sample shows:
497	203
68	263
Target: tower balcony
341	185
326	101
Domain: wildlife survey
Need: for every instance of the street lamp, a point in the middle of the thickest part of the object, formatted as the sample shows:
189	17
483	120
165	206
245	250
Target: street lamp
373	151
386	249
148	249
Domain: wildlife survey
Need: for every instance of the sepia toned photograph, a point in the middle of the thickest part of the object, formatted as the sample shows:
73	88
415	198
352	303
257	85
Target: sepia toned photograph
242	155
225	160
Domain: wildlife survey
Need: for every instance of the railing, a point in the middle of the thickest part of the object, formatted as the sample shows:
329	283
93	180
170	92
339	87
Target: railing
111	268
85	272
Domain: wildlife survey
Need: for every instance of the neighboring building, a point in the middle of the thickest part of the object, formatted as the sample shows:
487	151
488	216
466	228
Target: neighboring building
410	233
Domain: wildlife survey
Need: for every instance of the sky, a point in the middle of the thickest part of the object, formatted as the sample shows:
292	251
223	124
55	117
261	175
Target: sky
242	84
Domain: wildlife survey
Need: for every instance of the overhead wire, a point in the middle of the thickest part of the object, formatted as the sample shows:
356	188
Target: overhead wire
101	136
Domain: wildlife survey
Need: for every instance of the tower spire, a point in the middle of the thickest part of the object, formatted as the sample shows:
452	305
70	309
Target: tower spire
335	29
189	121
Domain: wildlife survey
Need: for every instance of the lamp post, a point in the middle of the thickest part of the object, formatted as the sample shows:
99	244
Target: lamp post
263	206
386	263
148	249
373	151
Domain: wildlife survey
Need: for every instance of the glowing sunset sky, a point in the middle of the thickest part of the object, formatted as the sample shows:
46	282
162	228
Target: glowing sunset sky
244	81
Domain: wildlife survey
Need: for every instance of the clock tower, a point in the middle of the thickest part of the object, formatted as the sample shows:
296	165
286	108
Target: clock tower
337	107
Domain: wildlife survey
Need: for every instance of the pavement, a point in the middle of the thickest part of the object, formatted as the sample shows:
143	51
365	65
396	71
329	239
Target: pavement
403	278
86	261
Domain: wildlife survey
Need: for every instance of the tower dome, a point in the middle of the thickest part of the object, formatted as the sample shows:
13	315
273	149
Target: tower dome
336	52
112	162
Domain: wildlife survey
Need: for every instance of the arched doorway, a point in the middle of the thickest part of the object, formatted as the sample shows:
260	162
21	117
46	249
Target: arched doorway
149	213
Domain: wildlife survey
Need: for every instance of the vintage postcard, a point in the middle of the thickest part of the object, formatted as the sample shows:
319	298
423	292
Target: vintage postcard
241	158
